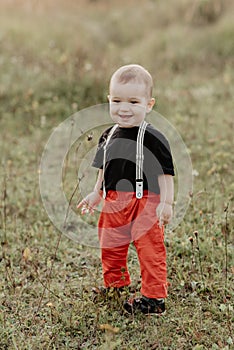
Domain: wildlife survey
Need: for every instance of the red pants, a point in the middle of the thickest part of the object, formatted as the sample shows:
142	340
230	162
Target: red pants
123	219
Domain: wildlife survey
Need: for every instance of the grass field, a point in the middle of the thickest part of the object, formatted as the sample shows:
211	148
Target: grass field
56	58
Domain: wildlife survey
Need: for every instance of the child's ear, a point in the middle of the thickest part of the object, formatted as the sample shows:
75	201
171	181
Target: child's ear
108	97
150	105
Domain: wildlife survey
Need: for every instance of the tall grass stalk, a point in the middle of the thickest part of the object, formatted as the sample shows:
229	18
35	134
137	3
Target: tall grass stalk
225	232
199	259
4	209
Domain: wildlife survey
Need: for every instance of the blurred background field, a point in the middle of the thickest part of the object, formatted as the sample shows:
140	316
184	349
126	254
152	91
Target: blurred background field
56	58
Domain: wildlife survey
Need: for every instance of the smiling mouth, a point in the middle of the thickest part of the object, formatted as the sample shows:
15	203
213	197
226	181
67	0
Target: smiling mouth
125	116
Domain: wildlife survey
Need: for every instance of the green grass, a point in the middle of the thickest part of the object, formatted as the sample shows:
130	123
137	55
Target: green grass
57	59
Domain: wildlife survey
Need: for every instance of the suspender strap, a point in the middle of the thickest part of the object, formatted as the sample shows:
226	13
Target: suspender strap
104	156
140	159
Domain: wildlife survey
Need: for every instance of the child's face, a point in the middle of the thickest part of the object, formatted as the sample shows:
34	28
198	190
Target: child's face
129	103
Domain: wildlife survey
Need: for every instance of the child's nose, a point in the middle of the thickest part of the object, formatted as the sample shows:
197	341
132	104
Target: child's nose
124	106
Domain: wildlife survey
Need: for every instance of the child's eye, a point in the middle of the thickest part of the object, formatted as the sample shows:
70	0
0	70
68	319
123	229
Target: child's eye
134	102
116	101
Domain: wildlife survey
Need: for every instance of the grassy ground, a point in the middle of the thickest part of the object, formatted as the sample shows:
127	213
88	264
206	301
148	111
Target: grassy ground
56	59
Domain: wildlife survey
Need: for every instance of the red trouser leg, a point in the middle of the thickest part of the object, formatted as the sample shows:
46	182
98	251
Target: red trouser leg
148	239
114	240
114	266
152	257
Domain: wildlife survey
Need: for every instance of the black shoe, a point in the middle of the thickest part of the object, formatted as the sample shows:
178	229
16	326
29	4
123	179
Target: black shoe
147	306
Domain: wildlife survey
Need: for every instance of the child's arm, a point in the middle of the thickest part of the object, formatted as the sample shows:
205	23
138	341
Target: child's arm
164	209
92	199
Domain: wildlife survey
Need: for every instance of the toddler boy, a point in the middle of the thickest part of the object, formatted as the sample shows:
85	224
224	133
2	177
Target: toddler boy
135	179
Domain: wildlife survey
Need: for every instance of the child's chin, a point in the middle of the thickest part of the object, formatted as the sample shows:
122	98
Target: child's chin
126	125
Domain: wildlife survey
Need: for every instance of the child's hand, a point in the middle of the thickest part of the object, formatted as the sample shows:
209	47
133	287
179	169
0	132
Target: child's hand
164	213
89	203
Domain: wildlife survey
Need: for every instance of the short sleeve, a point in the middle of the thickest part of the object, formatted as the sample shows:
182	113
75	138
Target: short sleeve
98	158
159	146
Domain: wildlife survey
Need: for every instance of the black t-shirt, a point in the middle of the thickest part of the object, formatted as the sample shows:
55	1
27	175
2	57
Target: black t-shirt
120	169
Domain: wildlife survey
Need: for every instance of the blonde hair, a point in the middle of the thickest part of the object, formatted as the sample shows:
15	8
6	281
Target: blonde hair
135	73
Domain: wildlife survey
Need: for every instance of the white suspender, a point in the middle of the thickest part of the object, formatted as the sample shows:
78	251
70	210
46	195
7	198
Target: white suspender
104	156
139	159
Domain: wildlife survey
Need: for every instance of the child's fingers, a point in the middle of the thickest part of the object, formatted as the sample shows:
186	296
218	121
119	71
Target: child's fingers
164	220
85	206
84	210
82	203
160	222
